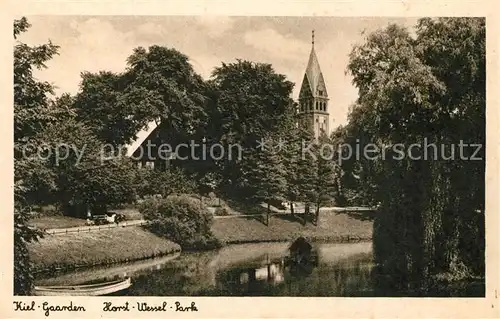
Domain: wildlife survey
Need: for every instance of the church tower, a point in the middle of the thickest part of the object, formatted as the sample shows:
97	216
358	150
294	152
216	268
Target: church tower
313	98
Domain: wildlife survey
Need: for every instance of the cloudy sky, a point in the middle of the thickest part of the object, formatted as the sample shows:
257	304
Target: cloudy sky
93	43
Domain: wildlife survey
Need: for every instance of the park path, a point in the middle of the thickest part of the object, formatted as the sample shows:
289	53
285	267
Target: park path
83	229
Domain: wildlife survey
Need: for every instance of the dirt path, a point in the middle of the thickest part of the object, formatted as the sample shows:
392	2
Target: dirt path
87	229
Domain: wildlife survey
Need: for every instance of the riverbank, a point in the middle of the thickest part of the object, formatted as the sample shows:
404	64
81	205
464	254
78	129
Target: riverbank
98	248
74	250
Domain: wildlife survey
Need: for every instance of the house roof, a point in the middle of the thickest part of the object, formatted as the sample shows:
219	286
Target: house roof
141	137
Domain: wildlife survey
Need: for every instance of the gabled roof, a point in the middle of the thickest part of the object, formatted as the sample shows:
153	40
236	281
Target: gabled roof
314	75
141	137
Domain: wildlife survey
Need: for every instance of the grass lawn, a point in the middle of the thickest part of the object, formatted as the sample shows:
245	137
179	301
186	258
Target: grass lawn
60	221
48	222
98	247
333	226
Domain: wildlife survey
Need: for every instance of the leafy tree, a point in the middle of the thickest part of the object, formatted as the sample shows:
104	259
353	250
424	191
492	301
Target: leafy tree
306	173
314	174
291	157
264	174
414	90
248	101
355	186
87	175
299	165
23	274
455	50
32	108
103	106
149	182
326	174
295	166
168	88
159	84
32	111
251	101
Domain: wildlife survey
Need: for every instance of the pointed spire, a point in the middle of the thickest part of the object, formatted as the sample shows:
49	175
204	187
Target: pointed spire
313	74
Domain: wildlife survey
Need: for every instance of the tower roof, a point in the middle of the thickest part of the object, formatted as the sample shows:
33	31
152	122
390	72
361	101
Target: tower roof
313	73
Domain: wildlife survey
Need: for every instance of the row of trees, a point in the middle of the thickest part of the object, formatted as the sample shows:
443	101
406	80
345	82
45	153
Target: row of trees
242	103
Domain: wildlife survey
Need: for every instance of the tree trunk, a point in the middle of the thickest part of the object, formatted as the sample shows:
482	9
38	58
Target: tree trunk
252	275
291	208
317	214
267	216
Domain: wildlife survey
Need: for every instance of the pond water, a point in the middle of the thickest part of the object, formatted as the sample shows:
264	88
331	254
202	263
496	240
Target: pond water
339	270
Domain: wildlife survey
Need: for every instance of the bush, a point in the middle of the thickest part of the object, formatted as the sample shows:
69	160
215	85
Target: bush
182	220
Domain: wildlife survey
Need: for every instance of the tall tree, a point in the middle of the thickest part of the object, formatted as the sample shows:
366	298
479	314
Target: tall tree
291	159
300	166
264	174
248	102
169	89
159	84
103	106
355	188
88	176
33	110
325	175
416	90
290	135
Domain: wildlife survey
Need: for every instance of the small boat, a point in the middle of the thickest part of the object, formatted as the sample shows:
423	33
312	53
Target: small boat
100	289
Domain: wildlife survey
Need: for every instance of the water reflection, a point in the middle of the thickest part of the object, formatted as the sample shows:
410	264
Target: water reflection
275	272
298	263
342	270
104	273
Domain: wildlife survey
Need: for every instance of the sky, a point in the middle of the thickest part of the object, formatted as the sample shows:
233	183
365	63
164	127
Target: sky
94	43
